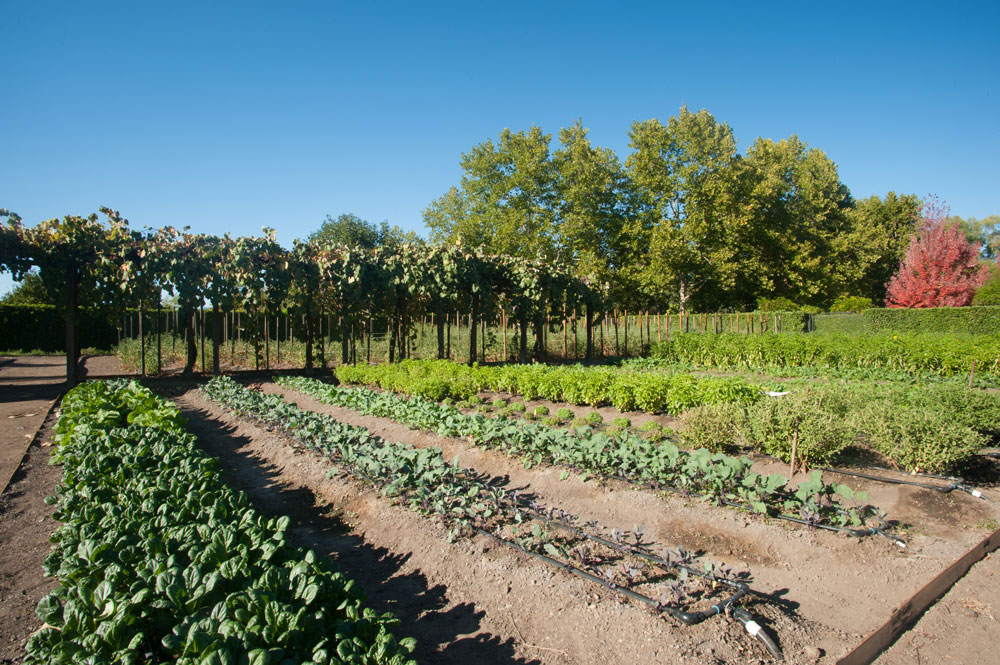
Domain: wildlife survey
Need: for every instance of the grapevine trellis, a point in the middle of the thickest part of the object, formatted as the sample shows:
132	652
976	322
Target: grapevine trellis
111	266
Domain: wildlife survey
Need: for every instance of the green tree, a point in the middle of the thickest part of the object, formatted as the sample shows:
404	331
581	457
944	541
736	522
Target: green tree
879	235
509	191
793	236
348	230
683	173
985	231
589	211
30	291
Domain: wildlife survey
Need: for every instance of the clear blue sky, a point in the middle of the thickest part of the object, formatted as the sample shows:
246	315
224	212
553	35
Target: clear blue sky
230	117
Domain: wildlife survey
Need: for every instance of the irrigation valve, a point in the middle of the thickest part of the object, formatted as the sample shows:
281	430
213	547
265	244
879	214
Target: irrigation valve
753	627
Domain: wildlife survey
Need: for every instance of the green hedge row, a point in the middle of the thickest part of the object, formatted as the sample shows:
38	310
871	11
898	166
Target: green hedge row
838	322
30	327
912	353
968	320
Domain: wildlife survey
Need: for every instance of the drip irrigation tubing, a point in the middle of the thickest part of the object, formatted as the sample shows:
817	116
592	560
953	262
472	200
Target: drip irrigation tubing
726	606
854	532
688	618
955	482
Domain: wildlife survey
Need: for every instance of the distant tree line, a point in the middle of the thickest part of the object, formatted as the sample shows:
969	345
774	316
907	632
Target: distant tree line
686	222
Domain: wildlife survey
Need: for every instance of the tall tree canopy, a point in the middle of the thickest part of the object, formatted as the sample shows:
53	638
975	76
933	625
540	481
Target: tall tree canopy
684	175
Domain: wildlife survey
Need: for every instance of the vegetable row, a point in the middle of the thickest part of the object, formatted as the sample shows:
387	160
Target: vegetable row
158	560
931	428
913	353
467	503
626	390
719	477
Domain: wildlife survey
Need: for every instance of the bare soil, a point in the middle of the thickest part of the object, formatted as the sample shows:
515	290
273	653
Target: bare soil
25	526
823	592
474	601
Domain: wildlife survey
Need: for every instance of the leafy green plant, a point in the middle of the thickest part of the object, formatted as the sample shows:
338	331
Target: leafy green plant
541	410
499	403
565	414
158	560
594	418
517	406
615	451
551	421
622	422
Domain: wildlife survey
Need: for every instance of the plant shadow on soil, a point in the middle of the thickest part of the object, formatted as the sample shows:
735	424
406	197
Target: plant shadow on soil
443	635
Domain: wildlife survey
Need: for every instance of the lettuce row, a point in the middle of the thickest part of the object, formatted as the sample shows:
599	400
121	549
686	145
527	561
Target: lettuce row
159	561
626	390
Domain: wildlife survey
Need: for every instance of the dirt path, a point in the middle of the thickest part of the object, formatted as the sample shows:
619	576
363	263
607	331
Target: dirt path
470	601
962	627
849	586
28	387
25	526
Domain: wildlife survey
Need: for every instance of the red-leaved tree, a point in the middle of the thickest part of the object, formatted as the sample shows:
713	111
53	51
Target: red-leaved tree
940	268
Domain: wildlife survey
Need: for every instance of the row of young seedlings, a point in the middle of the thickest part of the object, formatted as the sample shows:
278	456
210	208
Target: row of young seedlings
670	583
157	560
719	478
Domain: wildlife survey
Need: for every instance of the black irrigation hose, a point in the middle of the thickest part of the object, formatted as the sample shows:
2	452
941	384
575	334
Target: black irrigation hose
955	482
853	532
995	454
944	489
727	606
688	618
856	533
756	630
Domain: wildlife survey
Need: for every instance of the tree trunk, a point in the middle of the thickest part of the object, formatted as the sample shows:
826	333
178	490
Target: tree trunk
438	320
344	350
590	334
522	349
473	328
142	343
192	349
309	333
72	286
216	335
159	343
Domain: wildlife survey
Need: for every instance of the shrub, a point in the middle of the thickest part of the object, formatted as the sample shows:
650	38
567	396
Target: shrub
776	305
855	304
716	427
920	440
989	293
622	422
809	418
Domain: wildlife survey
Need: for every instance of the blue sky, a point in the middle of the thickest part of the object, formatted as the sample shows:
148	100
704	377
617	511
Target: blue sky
233	116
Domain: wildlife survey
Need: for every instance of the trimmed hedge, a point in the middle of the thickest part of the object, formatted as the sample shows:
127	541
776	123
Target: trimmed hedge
842	322
30	327
968	320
